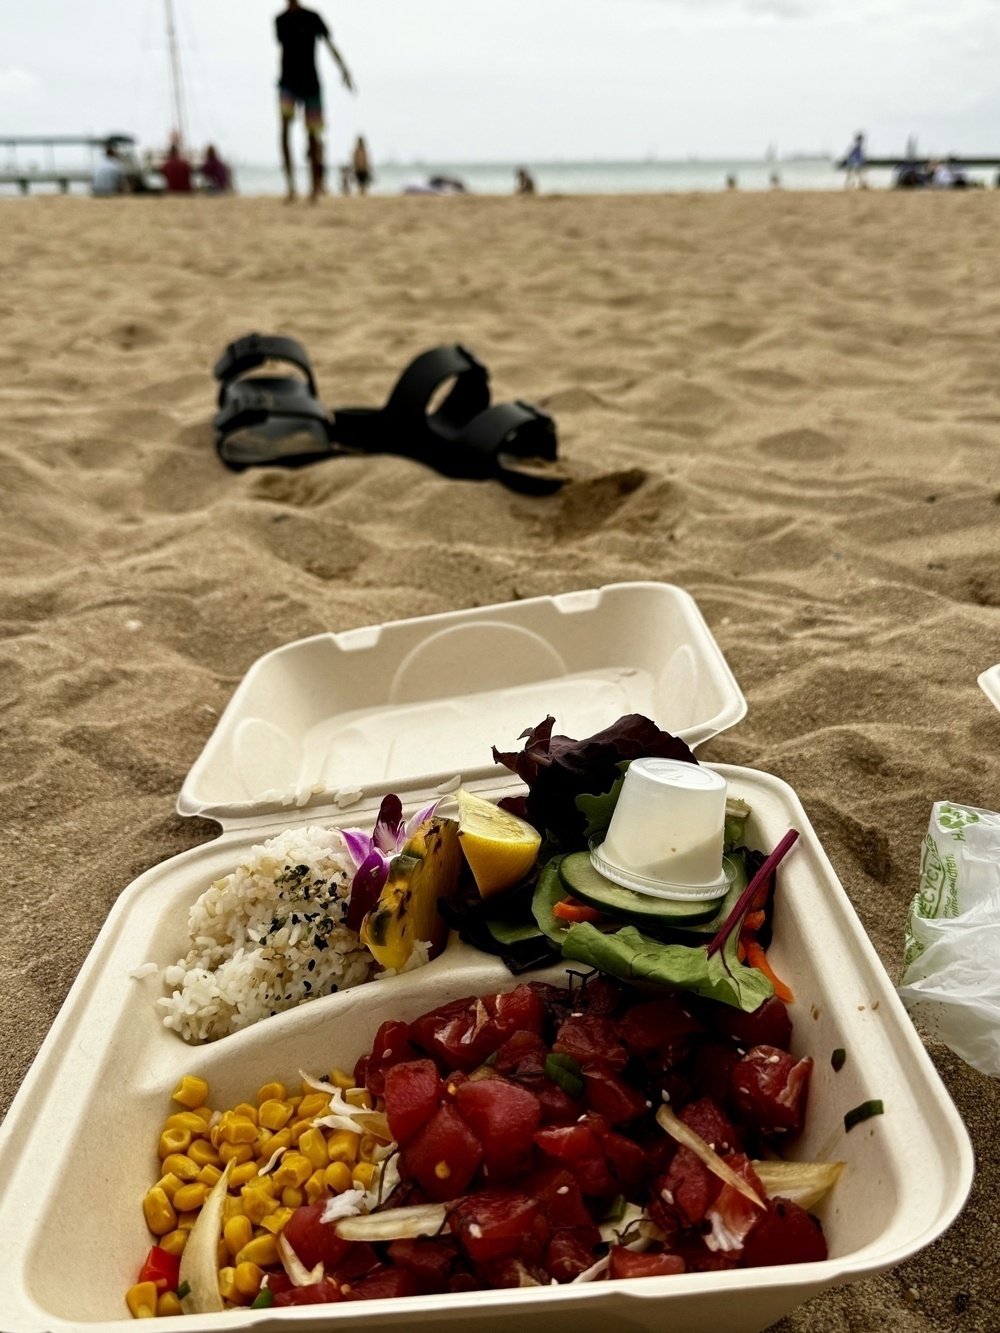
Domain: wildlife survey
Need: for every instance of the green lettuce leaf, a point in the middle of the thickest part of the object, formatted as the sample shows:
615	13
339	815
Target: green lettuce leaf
635	957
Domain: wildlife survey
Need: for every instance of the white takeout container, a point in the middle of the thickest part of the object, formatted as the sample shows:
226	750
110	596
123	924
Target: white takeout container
78	1148
989	683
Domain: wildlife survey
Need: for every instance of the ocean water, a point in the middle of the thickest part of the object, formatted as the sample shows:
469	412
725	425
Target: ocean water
584	177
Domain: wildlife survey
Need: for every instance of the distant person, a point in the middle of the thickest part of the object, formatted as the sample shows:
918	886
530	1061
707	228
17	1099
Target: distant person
215	173
525	182
855	164
176	171
731	182
362	166
775	180
109	174
298	30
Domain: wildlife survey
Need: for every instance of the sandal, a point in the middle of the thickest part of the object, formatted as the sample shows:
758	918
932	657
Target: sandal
269	419
464	437
280	419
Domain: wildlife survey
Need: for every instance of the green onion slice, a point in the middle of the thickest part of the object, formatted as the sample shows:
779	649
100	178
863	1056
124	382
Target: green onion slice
863	1112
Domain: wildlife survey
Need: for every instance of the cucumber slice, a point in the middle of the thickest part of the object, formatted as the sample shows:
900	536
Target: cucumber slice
591	887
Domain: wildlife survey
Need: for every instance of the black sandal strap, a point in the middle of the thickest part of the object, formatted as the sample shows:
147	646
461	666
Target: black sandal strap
403	425
259	413
494	442
254	350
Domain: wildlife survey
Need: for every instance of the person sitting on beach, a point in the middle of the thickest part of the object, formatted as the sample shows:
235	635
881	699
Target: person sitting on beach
525	182
109	174
214	172
855	164
298	31
362	166
176	171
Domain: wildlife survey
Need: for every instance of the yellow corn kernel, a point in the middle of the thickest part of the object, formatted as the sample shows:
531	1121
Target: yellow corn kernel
191	1091
159	1213
190	1196
313	1105
242	1175
293	1169
315	1186
227	1284
362	1175
236	1152
292	1198
235	1128
312	1144
173	1242
275	1222
274	1114
359	1097
202	1154
168	1303
257	1205
222	1254
173	1140
299	1127
169	1184
262	1250
271	1092
282	1138
238	1231
205	1112
367	1147
294	1103
247	1110
248	1279
194	1124
343	1146
341	1079
231	1207
141	1300
180	1165
338	1177
209	1175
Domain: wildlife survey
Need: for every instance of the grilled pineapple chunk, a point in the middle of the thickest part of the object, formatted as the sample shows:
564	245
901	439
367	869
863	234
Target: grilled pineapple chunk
425	870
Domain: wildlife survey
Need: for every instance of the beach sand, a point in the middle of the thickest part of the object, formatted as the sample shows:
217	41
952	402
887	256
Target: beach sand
787	404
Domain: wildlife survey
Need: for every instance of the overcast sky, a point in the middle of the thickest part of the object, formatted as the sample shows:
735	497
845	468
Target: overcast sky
533	80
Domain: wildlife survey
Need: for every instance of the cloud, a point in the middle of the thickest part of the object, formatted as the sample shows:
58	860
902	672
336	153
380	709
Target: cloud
17	86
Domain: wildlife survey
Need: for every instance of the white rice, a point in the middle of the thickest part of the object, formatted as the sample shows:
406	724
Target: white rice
267	937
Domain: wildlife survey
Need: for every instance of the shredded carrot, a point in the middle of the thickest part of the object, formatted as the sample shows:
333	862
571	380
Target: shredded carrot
571	910
741	948
754	920
757	958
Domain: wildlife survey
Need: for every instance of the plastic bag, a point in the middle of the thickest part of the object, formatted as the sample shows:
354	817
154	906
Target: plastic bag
951	969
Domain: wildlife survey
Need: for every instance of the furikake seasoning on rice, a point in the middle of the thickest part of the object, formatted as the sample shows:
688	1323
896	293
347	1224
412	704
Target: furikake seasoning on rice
268	937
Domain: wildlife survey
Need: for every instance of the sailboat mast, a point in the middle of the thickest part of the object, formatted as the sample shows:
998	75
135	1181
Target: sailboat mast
176	83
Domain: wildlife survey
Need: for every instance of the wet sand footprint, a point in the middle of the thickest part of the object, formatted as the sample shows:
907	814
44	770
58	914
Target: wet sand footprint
803	445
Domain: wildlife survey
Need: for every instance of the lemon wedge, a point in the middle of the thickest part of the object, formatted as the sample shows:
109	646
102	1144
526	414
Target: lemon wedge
499	847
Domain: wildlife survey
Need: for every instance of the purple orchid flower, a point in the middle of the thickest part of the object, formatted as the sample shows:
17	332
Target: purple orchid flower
373	853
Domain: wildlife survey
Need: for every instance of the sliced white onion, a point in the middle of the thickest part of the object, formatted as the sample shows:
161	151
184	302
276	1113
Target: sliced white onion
595	1272
422	1219
680	1132
804	1183
200	1260
272	1161
298	1274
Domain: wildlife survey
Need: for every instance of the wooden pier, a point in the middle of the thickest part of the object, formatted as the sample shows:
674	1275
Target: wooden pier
50	172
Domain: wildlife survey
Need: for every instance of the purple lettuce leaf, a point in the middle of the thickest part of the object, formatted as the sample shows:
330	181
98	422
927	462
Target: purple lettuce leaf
558	769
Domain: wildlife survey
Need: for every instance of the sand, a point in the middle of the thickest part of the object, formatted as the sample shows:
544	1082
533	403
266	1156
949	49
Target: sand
786	404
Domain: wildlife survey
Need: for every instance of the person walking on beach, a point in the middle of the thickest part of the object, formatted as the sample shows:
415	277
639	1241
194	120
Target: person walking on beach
298	31
855	164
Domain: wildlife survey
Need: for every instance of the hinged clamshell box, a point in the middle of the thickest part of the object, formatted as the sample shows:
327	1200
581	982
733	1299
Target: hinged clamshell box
318	732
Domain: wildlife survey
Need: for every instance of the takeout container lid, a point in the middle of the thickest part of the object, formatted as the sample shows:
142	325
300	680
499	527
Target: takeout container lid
77	1149
329	721
989	683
